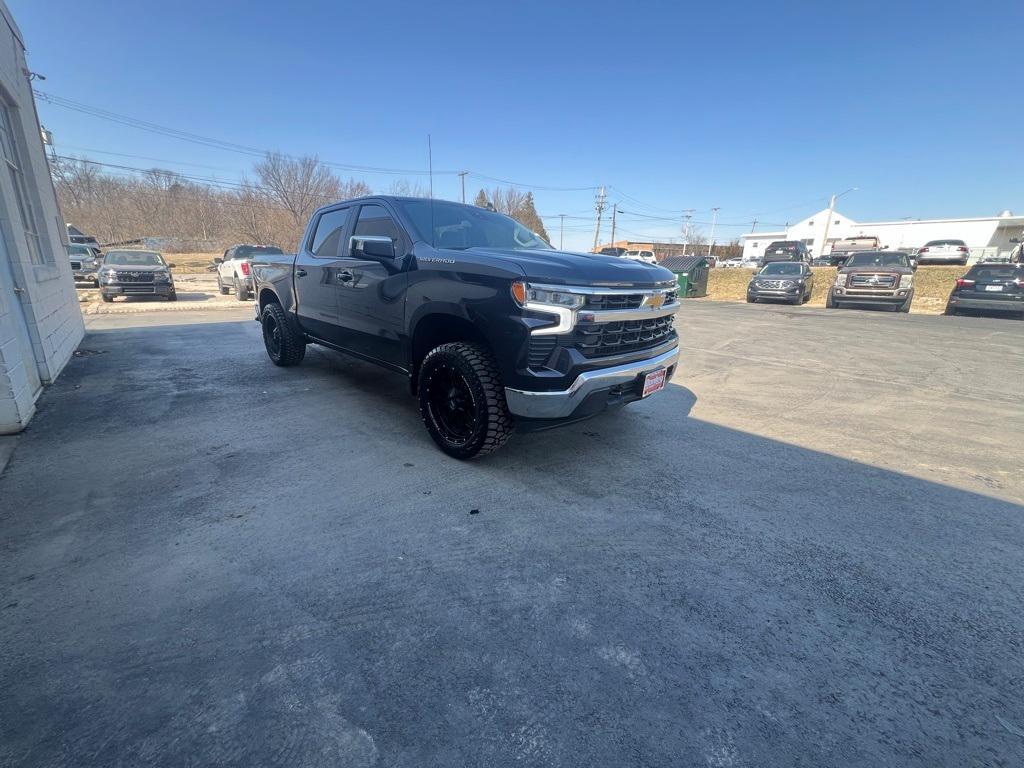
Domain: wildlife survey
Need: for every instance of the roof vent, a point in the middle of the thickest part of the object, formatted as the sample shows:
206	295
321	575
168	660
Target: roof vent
1007	214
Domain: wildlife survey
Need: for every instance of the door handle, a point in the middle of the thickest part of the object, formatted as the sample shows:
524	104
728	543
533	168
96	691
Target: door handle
345	276
301	273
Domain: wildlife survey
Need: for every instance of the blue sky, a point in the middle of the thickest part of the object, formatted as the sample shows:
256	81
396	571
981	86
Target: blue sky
760	109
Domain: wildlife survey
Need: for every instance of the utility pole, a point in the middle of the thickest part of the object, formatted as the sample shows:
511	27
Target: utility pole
561	231
600	210
687	215
828	221
753	226
714	220
615	209
462	176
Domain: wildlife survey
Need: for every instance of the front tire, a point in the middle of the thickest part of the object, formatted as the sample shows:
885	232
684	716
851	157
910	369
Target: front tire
905	306
462	400
107	299
285	346
830	302
224	290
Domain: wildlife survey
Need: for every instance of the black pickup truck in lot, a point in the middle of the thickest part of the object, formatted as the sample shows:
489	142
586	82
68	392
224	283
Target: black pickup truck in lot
493	327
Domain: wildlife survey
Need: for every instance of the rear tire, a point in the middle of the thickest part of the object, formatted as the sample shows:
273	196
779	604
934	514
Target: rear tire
241	290
285	346
951	310
462	400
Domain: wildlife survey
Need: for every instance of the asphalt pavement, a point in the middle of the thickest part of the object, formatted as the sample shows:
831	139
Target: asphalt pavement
806	551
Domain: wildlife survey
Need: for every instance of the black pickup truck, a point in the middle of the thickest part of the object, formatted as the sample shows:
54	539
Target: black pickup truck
493	328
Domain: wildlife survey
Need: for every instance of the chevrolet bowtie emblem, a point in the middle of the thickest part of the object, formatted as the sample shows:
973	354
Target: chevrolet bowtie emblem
655	301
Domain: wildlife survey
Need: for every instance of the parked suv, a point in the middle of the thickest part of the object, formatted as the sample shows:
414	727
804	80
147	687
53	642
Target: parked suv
85	263
992	287
944	252
234	268
785	250
136	273
879	278
785	280
492	327
645	256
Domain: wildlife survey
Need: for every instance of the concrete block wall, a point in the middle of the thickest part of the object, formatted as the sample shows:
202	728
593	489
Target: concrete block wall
41	326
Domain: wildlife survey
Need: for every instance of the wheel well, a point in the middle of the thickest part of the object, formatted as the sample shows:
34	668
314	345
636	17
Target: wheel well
267	296
434	330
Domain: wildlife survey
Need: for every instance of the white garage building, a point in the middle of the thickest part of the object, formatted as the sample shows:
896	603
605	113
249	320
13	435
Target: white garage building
40	322
987	237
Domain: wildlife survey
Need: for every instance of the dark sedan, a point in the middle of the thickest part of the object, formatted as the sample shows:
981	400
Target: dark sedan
989	287
790	281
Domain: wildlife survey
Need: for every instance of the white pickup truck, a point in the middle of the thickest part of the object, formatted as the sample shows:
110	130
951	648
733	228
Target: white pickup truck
233	268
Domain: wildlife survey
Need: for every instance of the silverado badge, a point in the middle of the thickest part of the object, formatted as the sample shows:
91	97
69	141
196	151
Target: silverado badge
654	301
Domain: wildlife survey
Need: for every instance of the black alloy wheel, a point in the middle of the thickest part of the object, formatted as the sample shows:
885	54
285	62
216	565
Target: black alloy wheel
462	401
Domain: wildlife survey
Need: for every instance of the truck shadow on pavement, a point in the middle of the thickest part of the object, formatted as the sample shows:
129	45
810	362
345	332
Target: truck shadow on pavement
256	560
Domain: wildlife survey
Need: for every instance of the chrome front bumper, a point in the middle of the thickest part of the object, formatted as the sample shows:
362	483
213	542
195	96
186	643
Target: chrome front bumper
560	404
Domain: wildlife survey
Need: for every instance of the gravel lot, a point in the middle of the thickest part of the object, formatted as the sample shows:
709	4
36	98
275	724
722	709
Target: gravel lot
805	552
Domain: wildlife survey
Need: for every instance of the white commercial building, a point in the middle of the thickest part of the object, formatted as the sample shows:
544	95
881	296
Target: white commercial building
40	322
987	237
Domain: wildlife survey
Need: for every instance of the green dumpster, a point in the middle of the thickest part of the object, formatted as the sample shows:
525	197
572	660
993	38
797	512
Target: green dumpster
692	274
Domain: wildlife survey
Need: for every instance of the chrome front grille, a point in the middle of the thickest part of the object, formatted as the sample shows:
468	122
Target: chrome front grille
866	280
616	338
774	284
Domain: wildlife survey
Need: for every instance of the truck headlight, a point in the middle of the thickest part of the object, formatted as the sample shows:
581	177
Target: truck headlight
906	281
107	275
524	294
840	280
551	301
162	277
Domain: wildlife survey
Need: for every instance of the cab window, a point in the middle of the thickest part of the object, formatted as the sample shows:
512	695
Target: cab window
375	220
327	239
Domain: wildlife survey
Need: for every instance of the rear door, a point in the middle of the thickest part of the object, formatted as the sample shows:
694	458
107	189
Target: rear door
372	295
318	264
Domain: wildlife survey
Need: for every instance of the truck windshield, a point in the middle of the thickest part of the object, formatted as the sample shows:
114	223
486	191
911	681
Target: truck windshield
134	258
878	259
458	226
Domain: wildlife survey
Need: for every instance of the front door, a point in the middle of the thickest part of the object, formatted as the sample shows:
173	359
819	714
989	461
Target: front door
318	266
372	296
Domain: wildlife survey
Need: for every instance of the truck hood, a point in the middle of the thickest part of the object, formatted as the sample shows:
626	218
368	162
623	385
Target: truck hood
569	268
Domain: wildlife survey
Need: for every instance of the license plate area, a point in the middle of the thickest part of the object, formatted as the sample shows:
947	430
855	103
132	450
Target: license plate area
993	287
653	382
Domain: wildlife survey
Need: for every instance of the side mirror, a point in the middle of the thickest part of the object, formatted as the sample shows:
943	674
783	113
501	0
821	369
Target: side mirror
217	260
372	246
171	265
1014	239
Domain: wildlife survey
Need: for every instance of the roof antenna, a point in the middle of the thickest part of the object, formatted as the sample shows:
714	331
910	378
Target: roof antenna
430	170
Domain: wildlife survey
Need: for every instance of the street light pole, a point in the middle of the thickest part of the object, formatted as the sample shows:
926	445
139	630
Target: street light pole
714	219
561	231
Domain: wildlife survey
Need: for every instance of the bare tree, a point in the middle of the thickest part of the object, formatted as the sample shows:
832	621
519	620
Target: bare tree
299	185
